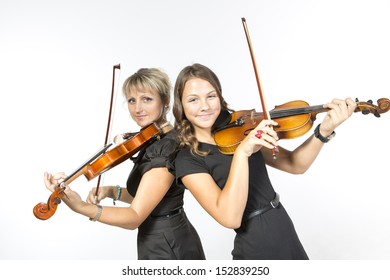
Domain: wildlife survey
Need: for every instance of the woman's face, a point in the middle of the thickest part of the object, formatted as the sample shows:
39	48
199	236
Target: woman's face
145	106
201	104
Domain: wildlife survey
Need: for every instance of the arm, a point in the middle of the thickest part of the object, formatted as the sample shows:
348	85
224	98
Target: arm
227	205
153	186
110	192
299	160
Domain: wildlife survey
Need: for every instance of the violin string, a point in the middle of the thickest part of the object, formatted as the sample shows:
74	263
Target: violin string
295	111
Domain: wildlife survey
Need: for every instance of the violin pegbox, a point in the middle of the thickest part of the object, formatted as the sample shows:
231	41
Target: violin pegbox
369	108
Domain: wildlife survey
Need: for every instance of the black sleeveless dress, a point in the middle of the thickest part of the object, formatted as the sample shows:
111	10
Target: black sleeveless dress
166	234
269	236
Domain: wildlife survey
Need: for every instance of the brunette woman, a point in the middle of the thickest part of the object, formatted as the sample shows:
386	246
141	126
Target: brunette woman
235	189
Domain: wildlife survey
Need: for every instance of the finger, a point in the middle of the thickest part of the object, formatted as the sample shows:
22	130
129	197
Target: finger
351	105
59	175
92	197
47	181
267	130
267	123
269	139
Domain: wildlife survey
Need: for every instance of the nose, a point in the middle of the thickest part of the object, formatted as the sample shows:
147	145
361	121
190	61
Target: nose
204	106
138	107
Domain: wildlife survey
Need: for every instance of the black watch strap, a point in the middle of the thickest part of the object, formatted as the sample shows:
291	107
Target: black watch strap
323	139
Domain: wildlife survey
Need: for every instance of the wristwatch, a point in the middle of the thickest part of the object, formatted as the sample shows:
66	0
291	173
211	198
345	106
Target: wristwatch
322	138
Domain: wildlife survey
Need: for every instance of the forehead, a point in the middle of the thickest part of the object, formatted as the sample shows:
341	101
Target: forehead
139	91
197	86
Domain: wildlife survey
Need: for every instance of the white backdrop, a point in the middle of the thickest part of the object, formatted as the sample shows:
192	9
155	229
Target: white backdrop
56	60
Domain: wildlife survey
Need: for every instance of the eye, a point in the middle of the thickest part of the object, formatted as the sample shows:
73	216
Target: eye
131	100
212	96
192	99
147	99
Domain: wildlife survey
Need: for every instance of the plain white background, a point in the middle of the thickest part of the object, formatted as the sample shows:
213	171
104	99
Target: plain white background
56	60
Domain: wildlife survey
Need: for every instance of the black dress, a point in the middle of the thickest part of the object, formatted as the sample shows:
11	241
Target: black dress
269	236
166	234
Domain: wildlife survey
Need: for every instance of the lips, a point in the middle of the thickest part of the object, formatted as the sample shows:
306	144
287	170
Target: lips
141	117
205	117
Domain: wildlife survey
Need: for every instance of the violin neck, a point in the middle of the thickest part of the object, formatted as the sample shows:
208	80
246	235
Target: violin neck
82	169
314	110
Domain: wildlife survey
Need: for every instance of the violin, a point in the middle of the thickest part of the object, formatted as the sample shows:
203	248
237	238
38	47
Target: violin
101	162
294	119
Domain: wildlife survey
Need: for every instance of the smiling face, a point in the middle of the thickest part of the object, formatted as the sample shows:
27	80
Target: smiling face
201	106
145	106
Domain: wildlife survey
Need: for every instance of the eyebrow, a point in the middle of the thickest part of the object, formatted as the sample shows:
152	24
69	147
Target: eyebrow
195	94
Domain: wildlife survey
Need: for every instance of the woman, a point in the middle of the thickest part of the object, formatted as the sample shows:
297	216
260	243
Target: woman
156	202
235	190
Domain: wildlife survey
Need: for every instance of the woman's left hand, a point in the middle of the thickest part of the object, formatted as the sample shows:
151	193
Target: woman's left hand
340	110
51	180
71	198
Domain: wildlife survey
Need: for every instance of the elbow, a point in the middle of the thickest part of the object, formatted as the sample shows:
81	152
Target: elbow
131	225
235	225
300	171
232	223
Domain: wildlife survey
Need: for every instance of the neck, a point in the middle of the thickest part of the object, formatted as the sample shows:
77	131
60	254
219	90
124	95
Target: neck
166	127
204	136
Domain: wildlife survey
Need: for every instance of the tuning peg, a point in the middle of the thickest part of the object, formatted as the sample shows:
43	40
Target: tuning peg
369	101
376	114
365	111
356	99
57	200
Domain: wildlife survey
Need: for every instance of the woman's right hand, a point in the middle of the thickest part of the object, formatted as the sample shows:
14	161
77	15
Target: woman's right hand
102	194
262	136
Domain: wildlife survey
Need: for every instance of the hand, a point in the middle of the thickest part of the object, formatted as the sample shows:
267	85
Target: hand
262	136
102	194
72	198
340	110
51	181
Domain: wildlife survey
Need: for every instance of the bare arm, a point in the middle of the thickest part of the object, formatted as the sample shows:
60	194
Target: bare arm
227	205
110	192
153	186
299	160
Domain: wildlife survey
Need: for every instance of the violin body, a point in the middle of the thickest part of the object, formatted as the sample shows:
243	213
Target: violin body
294	119
122	152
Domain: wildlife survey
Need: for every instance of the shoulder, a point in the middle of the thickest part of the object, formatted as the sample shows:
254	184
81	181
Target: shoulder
164	146
185	154
186	162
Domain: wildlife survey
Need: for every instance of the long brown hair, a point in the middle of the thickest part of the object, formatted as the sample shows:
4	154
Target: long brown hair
184	128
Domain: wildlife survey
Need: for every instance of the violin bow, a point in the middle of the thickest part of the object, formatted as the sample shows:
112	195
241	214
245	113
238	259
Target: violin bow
115	67
262	99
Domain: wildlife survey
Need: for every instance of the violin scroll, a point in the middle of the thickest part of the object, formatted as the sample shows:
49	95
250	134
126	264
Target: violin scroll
44	211
369	108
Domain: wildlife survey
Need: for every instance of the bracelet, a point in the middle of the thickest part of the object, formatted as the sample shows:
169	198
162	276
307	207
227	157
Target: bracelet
118	194
98	214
